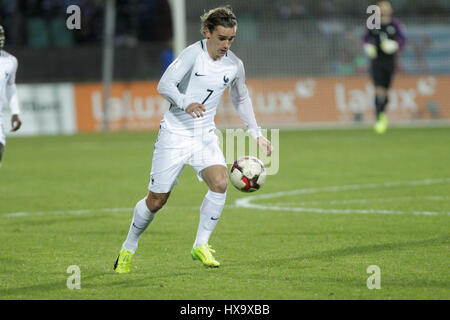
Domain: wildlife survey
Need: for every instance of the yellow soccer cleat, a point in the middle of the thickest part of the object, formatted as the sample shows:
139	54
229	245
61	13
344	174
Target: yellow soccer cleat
123	261
204	254
381	124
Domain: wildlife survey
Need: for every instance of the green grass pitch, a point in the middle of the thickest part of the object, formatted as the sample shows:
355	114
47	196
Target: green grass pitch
343	200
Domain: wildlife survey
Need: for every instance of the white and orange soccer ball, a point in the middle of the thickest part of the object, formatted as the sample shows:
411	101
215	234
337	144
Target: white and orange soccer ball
248	174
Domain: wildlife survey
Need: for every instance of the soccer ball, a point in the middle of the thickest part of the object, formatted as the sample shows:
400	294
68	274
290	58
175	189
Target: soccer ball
248	174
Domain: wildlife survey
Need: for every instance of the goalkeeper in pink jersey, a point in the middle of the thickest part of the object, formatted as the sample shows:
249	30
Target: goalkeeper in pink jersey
381	46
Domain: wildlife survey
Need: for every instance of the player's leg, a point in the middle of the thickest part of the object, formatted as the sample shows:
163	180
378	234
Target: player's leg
382	76
378	74
143	215
166	167
2	147
381	100
381	96
2	140
209	164
211	209
387	81
216	178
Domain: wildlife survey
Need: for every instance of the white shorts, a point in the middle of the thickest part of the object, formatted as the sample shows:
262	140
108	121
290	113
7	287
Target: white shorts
2	133
172	152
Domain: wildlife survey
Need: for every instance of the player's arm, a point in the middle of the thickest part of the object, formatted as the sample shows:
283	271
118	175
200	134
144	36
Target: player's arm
391	46
369	45
174	74
243	104
13	100
400	36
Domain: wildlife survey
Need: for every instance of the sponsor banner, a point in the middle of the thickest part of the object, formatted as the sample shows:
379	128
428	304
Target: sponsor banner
342	100
133	106
44	109
276	102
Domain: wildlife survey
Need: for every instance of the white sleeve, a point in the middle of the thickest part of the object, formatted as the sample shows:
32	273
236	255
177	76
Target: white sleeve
242	102
178	69
11	91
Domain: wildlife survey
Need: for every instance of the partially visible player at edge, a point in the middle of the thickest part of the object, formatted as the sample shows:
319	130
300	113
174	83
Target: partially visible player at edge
194	84
8	68
382	46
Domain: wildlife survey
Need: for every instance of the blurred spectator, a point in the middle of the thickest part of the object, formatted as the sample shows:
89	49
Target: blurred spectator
291	9
348	60
330	23
12	21
126	29
333	31
41	23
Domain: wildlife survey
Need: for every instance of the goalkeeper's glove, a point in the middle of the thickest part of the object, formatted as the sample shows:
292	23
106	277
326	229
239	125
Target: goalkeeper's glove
370	50
389	46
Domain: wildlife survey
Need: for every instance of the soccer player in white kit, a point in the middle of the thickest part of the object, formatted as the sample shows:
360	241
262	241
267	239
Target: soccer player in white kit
8	68
194	84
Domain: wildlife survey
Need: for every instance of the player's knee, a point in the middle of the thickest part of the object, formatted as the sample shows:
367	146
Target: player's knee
219	186
155	204
380	91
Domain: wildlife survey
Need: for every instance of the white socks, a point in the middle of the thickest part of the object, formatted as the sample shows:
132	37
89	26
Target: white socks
141	219
210	212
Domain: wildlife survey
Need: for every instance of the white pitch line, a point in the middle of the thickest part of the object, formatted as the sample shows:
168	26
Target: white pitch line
247	201
80	211
89	211
302	203
346	211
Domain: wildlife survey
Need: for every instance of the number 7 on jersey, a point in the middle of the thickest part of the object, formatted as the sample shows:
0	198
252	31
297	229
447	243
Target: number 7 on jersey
210	93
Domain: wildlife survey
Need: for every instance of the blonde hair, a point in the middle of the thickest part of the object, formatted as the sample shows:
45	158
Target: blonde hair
221	16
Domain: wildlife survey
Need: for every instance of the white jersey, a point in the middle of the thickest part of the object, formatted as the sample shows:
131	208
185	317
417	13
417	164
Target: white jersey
195	77
8	68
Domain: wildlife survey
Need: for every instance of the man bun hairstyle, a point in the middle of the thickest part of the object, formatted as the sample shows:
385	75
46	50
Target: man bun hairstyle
221	16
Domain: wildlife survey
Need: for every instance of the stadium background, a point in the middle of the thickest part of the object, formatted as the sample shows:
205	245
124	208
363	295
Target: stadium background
304	63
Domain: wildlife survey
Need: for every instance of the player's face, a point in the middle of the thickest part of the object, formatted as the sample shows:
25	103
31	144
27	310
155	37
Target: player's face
219	41
385	8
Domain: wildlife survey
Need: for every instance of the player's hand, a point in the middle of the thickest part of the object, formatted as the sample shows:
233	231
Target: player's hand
15	122
264	145
195	110
389	46
370	50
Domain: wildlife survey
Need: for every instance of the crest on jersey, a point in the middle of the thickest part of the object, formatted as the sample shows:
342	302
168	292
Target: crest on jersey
390	30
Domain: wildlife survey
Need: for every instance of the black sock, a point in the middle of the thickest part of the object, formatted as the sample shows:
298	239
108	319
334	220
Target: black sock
380	105
383	107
